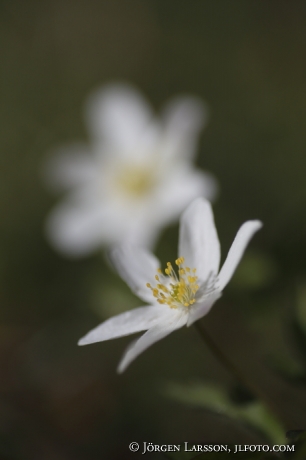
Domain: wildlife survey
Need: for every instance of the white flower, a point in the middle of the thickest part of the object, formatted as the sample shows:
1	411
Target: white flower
136	176
176	299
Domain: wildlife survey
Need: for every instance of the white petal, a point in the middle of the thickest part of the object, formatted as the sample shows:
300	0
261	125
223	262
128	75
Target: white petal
236	251
79	225
69	166
185	114
143	233
198	239
129	322
137	267
118	115
174	321
202	308
179	190
184	117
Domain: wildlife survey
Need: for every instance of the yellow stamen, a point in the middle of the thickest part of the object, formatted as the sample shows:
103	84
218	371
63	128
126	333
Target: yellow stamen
182	289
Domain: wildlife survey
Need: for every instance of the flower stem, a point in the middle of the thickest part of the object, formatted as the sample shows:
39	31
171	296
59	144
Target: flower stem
230	366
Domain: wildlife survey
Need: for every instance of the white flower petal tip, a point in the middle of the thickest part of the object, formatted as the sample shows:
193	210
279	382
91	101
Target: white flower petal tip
136	176
118	114
245	233
198	239
188	114
84	341
127	323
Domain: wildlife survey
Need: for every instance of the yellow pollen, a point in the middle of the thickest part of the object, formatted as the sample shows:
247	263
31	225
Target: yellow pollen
180	261
177	288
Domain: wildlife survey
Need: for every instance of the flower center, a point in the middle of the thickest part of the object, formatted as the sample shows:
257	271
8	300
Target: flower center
136	180
176	289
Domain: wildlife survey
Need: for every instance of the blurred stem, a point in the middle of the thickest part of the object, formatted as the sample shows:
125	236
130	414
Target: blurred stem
233	370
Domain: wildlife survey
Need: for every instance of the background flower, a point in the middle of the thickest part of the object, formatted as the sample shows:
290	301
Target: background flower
136	177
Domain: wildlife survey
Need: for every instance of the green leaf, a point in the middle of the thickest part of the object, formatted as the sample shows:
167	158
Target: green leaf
216	399
256	414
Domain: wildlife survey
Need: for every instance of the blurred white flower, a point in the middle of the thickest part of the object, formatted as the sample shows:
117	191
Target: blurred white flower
178	297
136	176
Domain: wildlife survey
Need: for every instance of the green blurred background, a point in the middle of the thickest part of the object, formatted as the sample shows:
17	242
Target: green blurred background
246	59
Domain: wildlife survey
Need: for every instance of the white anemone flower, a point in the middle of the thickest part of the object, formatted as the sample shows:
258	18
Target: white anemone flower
178	296
136	176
